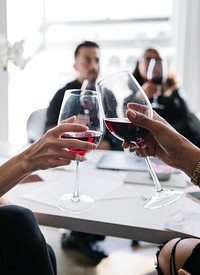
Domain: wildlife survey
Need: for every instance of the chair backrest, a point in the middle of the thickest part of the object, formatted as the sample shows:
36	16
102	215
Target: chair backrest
36	124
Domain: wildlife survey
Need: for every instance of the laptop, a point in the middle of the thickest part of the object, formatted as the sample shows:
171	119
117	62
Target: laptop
122	162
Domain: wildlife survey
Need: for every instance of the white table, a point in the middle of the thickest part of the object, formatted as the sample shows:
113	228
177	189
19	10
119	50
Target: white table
121	217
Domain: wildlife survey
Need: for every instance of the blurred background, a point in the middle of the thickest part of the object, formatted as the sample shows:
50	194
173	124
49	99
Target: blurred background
51	29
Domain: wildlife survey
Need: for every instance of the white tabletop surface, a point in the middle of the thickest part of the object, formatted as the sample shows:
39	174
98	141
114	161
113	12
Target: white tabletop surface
118	212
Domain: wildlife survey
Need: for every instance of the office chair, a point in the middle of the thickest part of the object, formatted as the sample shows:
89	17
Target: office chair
35	125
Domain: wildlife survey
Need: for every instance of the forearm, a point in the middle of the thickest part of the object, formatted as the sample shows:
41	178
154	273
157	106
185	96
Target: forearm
11	173
190	158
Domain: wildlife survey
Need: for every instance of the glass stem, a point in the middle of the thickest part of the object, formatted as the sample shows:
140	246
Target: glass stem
75	196
155	99
153	175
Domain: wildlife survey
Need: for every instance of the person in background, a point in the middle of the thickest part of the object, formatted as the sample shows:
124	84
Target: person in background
23	248
87	65
173	108
178	256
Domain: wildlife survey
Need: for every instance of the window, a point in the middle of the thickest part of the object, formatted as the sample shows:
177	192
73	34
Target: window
53	28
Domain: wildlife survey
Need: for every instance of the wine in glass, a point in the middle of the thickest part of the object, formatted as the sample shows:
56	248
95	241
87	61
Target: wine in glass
116	92
157	74
84	105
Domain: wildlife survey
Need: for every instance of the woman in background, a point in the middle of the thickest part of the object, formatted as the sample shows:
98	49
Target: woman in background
173	108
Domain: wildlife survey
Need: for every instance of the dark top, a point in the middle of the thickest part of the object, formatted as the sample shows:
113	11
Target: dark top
176	112
191	264
56	102
54	109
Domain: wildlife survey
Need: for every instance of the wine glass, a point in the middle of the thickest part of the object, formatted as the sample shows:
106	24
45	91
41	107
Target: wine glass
116	92
157	74
84	105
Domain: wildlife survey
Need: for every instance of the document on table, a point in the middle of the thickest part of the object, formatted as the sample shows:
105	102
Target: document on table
109	186
121	162
185	222
176	180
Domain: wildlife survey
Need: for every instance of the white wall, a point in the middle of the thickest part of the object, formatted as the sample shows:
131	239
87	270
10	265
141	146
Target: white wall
3	80
186	27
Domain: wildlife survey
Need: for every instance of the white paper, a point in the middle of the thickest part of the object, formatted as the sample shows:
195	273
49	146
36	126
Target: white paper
185	222
95	185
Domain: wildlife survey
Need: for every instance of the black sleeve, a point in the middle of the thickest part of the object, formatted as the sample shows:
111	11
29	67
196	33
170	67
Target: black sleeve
56	102
54	109
178	114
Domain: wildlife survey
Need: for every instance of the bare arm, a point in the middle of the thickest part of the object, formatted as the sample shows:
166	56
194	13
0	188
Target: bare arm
48	152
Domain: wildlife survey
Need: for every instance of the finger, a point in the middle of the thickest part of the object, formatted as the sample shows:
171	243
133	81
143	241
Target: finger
69	120
74	143
52	163
183	272
60	162
145	110
143	121
62	150
137	153
72	156
125	144
140	108
76	157
144	152
68	127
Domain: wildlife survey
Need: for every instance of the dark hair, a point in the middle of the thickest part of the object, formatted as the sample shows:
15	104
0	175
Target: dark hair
136	72
171	79
137	75
85	44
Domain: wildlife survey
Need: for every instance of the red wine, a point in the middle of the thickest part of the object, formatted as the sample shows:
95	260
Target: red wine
89	136
125	130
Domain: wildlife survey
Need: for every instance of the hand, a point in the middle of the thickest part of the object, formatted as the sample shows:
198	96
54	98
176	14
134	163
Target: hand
4	201
82	119
183	272
151	89
163	141
52	150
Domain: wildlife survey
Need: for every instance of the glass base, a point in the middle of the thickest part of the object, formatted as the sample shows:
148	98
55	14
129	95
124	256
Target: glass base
163	198
75	206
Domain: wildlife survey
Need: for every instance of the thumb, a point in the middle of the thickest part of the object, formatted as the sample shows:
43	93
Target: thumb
183	272
142	120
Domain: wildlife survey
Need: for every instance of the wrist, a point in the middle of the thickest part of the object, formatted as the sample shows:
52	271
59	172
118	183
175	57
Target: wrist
12	172
190	159
26	163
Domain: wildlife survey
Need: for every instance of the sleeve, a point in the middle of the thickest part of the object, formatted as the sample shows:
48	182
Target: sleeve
54	109
178	114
